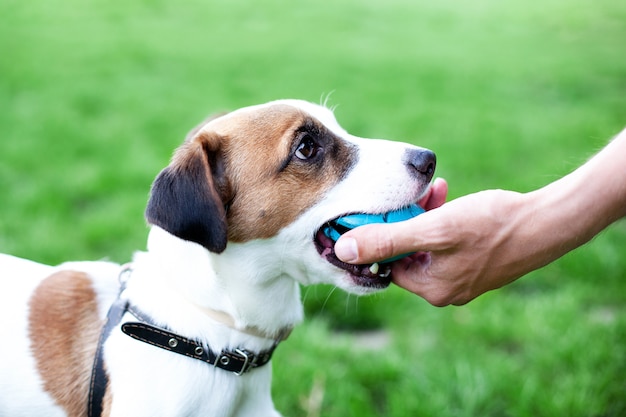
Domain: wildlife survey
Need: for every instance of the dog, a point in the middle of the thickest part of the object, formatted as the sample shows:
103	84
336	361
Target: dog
189	327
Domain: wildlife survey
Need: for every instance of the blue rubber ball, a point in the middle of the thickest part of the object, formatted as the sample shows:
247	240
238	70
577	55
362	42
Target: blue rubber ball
341	225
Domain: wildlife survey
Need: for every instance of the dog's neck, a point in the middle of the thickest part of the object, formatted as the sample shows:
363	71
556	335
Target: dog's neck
183	276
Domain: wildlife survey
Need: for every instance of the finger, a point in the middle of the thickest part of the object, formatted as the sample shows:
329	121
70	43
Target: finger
407	273
377	242
438	195
412	274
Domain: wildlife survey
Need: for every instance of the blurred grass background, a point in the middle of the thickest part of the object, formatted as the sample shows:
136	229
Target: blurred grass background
95	95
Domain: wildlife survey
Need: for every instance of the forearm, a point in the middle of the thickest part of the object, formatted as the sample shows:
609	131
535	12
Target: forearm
571	211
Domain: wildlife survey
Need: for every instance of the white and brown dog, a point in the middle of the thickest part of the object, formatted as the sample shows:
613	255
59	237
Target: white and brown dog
235	229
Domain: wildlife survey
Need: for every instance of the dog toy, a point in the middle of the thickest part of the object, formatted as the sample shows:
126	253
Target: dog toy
341	225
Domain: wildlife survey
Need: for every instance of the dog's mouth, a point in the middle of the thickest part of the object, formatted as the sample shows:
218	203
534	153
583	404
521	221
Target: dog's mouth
375	276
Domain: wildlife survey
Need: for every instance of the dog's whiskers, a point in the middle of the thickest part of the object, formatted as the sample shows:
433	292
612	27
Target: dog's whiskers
356	304
330	293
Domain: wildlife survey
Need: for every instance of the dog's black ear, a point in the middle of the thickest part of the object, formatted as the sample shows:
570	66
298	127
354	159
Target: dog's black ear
187	198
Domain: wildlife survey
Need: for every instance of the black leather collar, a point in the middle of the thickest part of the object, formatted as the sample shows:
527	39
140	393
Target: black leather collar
238	361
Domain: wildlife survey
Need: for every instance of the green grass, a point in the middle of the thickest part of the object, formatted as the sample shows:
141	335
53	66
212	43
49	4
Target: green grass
96	95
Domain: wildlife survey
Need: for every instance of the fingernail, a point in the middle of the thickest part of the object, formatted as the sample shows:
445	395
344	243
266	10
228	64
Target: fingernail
346	249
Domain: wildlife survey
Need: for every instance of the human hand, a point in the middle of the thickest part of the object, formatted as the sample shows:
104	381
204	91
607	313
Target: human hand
458	246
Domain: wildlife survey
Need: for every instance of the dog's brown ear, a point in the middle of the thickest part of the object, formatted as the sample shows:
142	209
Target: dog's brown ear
187	198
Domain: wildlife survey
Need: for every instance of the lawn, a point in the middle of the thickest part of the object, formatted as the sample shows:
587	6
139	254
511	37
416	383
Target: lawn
94	97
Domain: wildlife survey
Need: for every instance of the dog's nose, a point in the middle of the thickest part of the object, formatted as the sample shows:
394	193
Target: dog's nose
421	163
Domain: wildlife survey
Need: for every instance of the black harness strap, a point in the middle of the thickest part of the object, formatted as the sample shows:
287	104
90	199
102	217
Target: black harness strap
99	379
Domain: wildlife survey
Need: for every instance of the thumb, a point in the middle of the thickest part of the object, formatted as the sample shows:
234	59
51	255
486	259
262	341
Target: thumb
377	242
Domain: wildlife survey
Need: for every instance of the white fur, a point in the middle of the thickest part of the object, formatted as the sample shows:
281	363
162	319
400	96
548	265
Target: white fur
257	283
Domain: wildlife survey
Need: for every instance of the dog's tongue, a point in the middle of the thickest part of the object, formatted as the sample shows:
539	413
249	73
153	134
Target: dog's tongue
341	225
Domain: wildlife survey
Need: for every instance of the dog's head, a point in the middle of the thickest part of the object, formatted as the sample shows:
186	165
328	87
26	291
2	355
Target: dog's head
261	182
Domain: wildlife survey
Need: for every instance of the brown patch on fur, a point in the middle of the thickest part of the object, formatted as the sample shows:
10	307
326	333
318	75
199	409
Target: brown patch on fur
264	186
64	328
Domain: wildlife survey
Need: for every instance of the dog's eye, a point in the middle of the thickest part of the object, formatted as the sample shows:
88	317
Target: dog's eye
307	148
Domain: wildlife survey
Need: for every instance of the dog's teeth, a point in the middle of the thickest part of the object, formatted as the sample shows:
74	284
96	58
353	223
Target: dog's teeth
374	268
385	273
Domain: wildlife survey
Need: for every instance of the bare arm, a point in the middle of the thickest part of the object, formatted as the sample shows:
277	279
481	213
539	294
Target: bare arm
485	240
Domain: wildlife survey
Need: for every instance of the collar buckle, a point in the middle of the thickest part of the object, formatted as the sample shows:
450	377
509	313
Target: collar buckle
238	361
247	363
